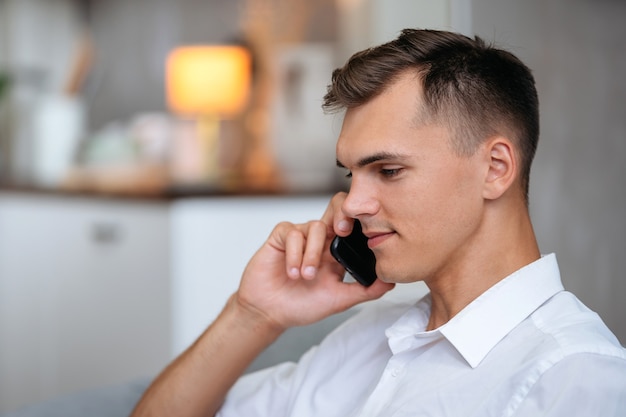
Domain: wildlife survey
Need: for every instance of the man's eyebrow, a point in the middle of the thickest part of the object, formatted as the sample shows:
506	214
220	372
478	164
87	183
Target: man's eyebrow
377	157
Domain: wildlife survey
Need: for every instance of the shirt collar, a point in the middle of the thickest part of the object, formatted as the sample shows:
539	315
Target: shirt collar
476	329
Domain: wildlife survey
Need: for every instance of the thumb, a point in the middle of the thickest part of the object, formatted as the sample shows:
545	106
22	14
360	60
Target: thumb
354	293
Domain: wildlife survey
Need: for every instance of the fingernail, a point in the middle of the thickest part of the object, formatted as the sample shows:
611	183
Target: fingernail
293	272
344	226
309	271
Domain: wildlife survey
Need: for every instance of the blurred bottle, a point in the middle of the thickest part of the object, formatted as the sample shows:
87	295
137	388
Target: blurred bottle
59	123
21	102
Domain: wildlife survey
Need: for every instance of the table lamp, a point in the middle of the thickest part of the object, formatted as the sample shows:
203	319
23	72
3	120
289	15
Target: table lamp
209	84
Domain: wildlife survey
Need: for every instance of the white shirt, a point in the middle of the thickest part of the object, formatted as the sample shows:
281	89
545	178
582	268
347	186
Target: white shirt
523	348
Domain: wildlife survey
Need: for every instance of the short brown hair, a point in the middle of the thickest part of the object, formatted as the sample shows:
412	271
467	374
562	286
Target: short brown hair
477	90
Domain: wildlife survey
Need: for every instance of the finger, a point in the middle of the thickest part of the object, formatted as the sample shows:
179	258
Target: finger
341	224
315	245
294	247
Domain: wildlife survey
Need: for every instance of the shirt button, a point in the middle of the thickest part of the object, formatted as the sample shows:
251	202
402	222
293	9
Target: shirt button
395	372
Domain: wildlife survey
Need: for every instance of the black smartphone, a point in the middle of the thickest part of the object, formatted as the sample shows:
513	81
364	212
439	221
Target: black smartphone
355	256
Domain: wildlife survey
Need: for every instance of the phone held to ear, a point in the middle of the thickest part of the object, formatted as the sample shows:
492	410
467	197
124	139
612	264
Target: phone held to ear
355	256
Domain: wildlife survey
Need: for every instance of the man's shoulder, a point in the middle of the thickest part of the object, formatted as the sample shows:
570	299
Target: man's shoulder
573	328
573	358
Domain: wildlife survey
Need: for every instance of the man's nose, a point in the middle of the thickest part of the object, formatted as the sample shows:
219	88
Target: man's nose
361	201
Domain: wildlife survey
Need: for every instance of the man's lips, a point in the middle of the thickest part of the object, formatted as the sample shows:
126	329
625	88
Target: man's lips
376	238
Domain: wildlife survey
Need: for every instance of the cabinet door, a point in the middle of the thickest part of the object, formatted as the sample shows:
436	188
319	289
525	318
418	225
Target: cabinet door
84	294
212	241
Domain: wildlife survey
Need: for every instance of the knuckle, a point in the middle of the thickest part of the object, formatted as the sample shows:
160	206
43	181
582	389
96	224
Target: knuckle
340	195
294	233
284	226
316	224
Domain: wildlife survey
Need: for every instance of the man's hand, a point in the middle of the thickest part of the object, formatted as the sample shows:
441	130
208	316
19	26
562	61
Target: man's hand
294	280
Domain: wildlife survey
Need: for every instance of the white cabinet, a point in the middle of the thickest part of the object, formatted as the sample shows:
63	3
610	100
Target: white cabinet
84	294
99	291
212	241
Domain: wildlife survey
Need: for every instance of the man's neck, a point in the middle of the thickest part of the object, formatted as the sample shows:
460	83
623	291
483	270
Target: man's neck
506	244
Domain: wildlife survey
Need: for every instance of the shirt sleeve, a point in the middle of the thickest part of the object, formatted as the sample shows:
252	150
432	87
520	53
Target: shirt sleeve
266	392
584	384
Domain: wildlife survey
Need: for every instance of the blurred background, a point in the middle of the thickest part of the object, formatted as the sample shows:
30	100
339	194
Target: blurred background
128	208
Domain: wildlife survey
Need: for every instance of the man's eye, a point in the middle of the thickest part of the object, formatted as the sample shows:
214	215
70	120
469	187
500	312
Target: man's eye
390	172
349	174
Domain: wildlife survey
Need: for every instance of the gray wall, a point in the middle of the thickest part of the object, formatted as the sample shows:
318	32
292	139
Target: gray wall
577	49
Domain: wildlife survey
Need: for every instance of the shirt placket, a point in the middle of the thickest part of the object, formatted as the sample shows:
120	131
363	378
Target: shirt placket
383	394
381	398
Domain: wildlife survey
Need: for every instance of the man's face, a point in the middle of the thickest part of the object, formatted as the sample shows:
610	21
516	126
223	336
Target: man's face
419	203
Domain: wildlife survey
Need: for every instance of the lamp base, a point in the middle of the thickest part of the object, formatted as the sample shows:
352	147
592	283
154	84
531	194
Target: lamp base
208	134
195	156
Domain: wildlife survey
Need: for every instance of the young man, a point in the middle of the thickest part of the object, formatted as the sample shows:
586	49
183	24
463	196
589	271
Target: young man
438	138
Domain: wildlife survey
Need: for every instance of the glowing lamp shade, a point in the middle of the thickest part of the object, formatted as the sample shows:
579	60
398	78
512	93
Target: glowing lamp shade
208	80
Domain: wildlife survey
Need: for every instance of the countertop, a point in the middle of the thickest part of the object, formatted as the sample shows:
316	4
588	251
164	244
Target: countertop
164	195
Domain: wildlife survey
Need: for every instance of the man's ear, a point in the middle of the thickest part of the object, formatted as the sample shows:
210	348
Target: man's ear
502	167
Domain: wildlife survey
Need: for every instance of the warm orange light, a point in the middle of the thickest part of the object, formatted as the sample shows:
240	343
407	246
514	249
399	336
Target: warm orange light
204	80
